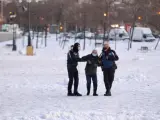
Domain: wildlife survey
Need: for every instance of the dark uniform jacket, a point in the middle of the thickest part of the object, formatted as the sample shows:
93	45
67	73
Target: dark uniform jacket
72	59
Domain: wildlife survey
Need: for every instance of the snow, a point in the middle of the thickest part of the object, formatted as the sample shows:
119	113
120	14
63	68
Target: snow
35	87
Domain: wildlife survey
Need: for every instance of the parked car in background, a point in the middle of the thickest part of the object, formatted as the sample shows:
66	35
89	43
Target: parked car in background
89	35
79	35
71	34
156	35
100	36
141	34
9	28
118	34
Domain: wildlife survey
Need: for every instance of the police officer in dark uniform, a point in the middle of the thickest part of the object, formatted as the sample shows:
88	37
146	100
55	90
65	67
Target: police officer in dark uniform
72	62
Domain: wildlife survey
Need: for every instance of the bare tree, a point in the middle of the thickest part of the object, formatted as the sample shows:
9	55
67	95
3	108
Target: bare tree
137	10
70	14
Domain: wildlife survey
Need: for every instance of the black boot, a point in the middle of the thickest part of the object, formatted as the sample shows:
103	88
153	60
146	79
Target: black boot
88	93
77	94
70	94
108	93
95	94
88	90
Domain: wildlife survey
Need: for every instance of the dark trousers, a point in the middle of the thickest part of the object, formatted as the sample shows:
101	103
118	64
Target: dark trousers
94	79
73	76
108	74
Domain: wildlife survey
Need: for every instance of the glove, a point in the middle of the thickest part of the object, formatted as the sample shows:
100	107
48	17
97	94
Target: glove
89	62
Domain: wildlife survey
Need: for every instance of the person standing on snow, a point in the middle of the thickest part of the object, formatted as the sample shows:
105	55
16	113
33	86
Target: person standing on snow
107	59
91	71
72	62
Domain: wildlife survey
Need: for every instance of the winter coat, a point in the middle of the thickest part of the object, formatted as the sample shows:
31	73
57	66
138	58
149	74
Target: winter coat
91	65
108	59
72	59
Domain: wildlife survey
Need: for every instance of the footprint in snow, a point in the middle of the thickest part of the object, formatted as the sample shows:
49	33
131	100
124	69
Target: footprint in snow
43	116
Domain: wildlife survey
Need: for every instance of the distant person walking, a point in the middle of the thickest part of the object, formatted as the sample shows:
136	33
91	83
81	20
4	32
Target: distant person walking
91	71
72	62
107	59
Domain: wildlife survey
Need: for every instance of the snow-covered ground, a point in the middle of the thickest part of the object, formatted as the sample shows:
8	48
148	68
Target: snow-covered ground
35	87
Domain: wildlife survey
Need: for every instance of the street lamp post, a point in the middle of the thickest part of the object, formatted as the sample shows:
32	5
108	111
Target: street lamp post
116	32
29	46
104	29
12	17
132	30
29	25
14	39
159	36
116	26
84	21
2	9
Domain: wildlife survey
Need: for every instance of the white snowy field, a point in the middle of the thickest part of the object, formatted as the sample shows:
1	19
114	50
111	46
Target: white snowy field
35	87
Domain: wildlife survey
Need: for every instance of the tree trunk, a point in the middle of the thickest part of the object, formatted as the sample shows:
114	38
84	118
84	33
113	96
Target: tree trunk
131	34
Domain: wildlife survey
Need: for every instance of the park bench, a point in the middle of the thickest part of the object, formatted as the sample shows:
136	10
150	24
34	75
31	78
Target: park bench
144	48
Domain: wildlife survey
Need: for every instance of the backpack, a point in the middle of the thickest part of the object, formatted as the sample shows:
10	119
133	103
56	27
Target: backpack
100	61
